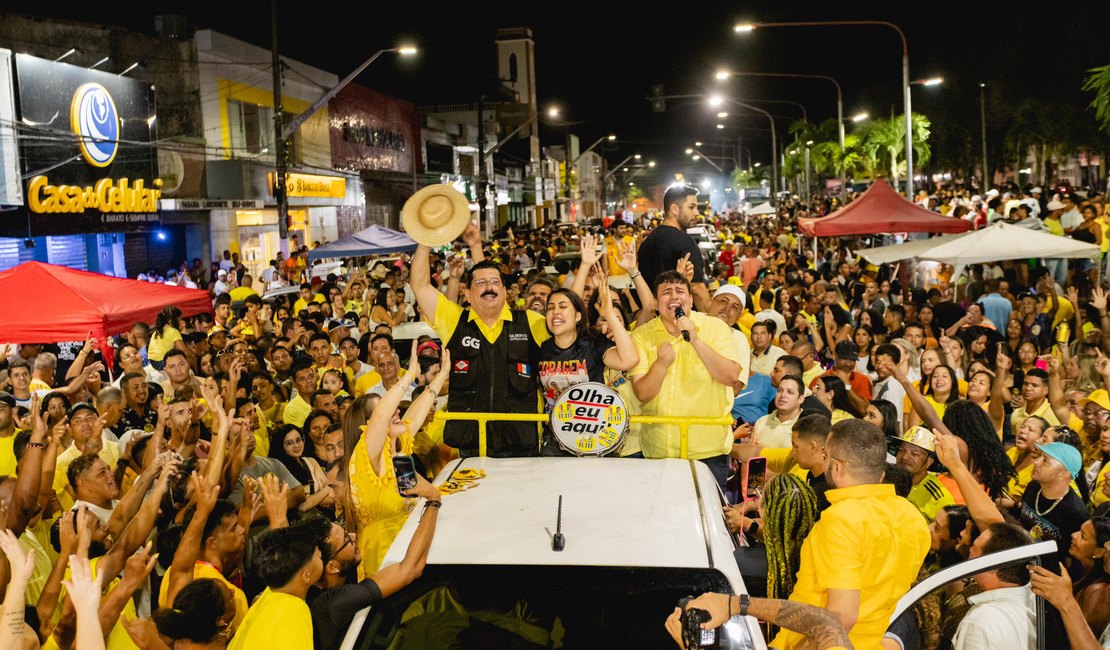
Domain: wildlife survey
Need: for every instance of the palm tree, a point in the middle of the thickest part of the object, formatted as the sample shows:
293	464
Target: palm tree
885	141
1099	83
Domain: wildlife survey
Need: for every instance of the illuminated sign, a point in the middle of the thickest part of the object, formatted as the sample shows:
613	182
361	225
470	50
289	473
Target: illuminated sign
105	196
94	119
97	171
312	185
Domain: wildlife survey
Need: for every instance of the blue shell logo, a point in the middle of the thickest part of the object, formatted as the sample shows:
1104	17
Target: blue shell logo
94	119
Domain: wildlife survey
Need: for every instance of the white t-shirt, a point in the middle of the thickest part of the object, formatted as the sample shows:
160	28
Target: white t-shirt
1071	219
999	618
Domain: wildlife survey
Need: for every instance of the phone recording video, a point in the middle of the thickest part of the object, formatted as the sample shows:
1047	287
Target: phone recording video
405	469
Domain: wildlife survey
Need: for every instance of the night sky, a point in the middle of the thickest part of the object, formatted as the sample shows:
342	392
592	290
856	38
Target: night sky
598	61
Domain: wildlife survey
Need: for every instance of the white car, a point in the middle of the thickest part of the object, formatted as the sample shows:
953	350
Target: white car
639	536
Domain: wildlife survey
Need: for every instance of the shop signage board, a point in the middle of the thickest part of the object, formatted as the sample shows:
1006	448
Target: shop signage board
86	151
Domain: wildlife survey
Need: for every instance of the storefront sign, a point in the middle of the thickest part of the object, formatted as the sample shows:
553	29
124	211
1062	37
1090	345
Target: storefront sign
94	169
312	185
211	204
373	132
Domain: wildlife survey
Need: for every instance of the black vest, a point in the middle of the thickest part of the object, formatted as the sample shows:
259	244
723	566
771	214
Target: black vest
498	377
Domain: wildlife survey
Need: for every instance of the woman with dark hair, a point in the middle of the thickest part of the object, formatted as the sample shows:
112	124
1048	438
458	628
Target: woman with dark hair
388	308
831	391
1088	553
165	336
987	459
865	341
576	353
925	318
873	319
884	415
1030	433
269	397
376	508
287	444
943	390
203	615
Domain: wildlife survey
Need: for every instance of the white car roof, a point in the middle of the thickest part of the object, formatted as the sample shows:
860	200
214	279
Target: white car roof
616	512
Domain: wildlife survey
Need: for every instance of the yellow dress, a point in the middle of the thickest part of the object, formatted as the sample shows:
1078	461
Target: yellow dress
379	509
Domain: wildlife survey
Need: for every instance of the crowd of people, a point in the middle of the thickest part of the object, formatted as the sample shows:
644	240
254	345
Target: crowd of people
229	476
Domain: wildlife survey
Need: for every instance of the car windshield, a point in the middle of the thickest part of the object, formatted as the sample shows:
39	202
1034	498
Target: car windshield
481	606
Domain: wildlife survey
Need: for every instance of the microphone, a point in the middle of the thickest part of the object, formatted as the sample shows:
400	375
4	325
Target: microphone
678	313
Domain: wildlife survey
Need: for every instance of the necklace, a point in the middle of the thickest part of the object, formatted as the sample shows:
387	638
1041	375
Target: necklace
1037	504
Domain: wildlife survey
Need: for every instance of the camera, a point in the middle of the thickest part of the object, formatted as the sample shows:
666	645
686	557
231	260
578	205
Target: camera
693	636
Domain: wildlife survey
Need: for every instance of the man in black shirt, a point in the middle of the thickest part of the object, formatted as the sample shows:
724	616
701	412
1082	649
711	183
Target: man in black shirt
808	438
335	602
1050	509
669	242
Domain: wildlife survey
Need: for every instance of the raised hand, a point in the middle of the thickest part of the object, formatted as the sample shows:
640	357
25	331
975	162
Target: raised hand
627	257
139	565
685	267
471	236
456	266
589	252
1098	299
947	450
22	564
82	588
1002	363
1055	588
1073	297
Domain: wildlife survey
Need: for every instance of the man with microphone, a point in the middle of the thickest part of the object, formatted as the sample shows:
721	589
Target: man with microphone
688	364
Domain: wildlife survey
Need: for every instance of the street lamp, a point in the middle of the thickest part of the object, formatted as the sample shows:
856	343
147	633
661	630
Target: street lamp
283	131
590	148
726	74
747	27
983	129
859	117
717	100
933	81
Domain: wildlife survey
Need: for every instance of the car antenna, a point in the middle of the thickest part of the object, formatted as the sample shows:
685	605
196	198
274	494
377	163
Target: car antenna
558	542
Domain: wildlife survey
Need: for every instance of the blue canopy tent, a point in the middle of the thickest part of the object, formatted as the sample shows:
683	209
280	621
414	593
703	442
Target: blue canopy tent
375	240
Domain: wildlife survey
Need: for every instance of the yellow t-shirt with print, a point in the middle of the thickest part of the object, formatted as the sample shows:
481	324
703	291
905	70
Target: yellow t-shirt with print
612	252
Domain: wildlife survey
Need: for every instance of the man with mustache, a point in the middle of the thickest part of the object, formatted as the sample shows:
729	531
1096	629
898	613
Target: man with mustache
494	356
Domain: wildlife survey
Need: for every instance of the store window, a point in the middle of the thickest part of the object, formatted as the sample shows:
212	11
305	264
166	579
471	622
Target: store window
251	128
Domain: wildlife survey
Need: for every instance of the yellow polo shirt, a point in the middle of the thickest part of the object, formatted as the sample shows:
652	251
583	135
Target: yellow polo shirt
296	411
612	251
687	389
8	463
869	539
448	315
1044	410
275	620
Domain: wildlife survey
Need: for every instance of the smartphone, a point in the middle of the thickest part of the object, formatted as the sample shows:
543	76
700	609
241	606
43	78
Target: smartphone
755	475
405	469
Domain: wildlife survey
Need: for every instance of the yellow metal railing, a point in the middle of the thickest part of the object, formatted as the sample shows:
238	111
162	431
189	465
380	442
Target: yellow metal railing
683	423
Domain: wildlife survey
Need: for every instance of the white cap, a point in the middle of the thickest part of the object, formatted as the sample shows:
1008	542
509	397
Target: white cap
992	192
734	290
1035	190
221	273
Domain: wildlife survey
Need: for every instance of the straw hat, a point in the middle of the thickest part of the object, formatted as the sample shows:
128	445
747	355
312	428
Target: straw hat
435	215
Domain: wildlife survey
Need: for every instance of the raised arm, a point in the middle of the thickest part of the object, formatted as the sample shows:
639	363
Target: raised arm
377	426
979	504
420	279
921	406
628	261
138	530
590	255
418	411
188	549
622	356
392	578
135	571
1056	398
11	615
997	407
28	481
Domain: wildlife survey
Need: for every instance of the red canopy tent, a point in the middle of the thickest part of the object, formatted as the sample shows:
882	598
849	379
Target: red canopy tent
46	303
880	210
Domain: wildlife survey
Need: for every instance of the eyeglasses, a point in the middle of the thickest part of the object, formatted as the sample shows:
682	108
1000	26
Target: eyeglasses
828	458
490	282
292	442
345	545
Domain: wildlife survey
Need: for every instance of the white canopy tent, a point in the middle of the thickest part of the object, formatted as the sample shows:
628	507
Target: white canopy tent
904	251
1000	241
761	209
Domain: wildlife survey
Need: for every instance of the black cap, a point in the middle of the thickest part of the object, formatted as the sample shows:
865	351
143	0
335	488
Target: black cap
82	406
7	398
847	350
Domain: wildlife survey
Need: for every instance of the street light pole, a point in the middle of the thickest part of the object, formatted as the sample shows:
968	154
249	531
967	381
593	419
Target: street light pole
774	144
905	73
983	130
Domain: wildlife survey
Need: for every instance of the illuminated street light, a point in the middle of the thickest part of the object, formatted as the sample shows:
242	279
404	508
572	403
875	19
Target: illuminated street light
722	115
743	27
697	144
695	157
689	151
935	81
406	50
716	100
553	112
651	163
721	75
859	117
720	126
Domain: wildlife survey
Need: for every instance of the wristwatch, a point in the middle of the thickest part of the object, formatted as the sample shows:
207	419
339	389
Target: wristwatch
745	600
